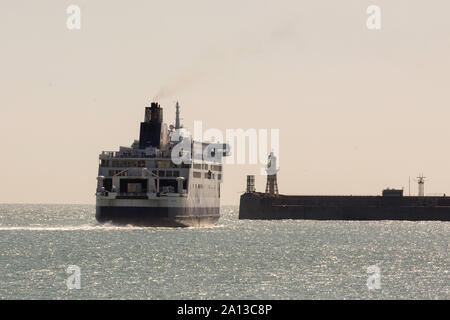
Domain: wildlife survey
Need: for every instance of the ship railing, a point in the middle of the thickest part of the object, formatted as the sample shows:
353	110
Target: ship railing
108	153
137	155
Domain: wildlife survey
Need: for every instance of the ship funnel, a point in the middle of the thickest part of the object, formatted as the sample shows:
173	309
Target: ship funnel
153	113
151	129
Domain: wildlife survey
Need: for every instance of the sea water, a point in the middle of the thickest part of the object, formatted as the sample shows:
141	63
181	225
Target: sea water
236	259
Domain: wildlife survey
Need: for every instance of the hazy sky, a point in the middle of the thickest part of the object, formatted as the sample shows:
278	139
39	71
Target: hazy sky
358	110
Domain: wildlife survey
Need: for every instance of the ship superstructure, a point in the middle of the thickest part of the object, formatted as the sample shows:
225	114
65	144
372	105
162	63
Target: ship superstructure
163	179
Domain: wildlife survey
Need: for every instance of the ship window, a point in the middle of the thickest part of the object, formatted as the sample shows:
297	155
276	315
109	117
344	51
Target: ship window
168	173
205	166
161	173
104	163
122	163
197	174
219	176
165	164
197	166
176	173
107	184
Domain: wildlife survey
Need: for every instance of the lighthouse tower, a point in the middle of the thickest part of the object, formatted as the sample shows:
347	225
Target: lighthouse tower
271	186
421	183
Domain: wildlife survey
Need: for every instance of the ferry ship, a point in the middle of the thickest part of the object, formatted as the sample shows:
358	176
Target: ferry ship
163	180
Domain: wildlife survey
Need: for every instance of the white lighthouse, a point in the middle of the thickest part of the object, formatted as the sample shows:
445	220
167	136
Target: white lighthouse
421	184
271	185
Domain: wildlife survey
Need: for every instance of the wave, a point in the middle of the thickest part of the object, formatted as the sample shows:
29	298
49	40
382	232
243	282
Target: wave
69	228
95	227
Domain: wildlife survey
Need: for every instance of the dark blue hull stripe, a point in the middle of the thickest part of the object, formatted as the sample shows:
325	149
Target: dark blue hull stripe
158	216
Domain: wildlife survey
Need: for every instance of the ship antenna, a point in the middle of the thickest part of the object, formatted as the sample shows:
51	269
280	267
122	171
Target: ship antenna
177	117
